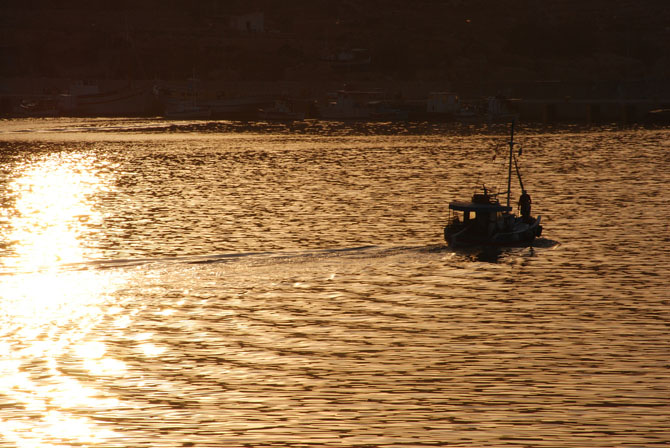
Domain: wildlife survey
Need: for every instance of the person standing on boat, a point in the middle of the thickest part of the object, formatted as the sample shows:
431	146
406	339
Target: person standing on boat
524	205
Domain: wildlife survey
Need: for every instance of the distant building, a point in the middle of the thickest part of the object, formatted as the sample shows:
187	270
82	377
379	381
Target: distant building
250	23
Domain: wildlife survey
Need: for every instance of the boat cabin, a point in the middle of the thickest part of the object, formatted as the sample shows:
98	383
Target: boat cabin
484	215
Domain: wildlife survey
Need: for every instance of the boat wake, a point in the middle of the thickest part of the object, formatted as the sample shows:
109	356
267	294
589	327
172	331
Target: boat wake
296	257
545	243
249	259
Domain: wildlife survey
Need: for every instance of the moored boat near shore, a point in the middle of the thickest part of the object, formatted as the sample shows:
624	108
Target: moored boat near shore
129	101
282	110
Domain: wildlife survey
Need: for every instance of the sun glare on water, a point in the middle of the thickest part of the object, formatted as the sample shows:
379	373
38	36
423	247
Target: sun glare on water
51	206
46	311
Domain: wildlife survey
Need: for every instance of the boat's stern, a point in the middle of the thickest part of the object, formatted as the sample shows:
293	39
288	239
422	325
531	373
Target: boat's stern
537	227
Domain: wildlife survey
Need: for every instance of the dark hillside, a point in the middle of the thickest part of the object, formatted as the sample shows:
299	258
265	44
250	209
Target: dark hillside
460	43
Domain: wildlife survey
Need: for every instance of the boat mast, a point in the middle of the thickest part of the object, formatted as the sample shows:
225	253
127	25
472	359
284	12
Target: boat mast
509	171
518	173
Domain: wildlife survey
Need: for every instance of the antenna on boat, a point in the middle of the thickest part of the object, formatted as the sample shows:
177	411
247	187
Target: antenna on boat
509	170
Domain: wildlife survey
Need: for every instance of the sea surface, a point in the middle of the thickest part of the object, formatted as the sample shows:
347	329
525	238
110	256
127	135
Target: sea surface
212	283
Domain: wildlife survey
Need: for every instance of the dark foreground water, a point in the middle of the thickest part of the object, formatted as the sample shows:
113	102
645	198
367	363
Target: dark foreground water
209	284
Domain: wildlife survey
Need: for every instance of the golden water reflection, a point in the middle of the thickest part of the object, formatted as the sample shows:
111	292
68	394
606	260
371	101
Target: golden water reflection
282	291
48	306
51	211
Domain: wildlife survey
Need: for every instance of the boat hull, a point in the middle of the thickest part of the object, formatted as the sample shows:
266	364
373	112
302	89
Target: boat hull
188	113
522	235
128	102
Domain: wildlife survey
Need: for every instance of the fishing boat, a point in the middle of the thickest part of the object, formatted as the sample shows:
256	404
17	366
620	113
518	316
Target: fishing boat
89	100
484	221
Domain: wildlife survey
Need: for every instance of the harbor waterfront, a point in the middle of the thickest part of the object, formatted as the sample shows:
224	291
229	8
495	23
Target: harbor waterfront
211	283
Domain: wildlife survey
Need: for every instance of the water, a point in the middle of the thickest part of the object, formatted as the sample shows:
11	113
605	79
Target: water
218	284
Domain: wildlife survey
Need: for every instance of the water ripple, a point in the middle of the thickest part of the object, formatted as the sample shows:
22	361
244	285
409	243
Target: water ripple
221	284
